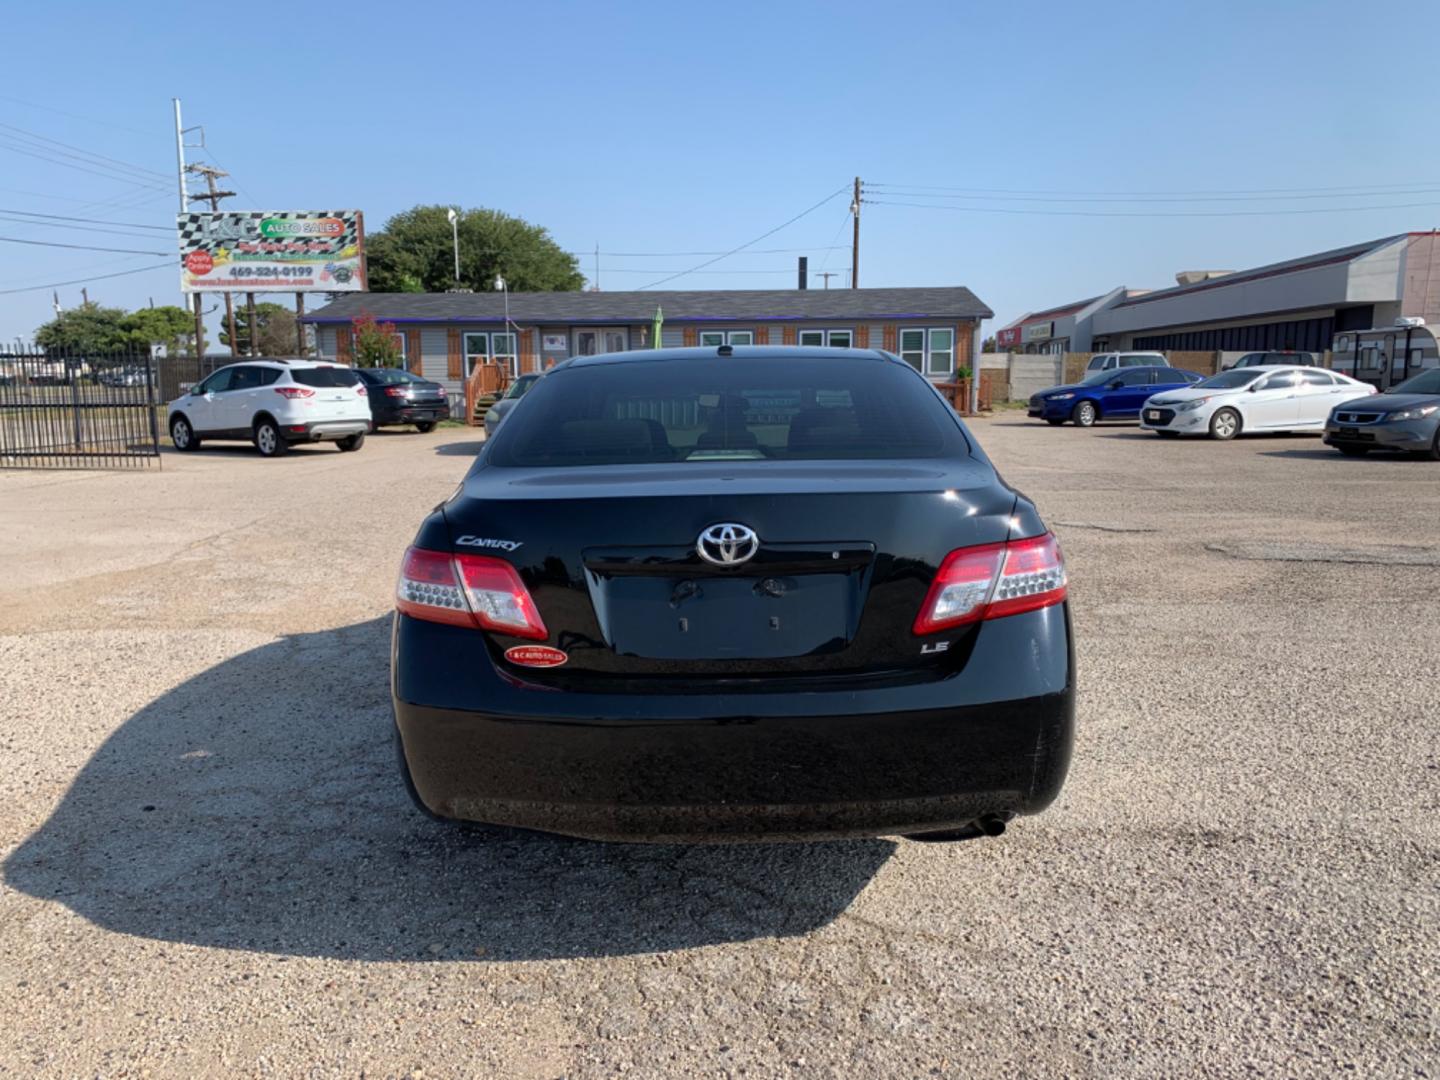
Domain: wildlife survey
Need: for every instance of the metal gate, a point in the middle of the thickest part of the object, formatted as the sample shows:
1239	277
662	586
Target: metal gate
79	412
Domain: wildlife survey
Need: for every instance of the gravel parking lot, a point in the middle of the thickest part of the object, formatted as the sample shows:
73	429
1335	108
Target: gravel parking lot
209	866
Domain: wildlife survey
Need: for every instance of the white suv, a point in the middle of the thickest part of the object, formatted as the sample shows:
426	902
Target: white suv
1108	361
274	403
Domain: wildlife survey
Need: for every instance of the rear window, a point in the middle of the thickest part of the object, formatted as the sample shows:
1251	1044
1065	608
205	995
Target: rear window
381	377
325	376
750	409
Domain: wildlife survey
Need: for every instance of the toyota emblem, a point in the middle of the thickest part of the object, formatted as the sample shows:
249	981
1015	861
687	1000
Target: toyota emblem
728	544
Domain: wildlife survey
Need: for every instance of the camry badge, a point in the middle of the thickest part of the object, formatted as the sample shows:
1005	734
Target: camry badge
728	544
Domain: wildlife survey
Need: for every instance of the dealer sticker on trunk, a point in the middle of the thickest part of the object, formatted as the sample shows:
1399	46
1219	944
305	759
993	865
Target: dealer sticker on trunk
536	656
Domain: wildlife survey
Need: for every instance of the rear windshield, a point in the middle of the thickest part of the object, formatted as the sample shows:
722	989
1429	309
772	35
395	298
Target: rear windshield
325	376
520	385
1230	380
760	408
382	376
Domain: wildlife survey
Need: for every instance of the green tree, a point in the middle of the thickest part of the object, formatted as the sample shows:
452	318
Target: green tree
275	330
88	328
168	326
375	344
415	252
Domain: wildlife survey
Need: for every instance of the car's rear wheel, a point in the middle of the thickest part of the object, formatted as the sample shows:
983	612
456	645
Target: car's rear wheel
1353	451
351	442
425	426
1225	424
183	435
268	439
1053	422
1084	414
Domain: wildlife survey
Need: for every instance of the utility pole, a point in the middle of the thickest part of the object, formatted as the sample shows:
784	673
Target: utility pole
185	209
855	243
213	197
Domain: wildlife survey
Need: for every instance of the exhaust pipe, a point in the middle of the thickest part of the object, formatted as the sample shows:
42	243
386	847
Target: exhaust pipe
992	824
986	825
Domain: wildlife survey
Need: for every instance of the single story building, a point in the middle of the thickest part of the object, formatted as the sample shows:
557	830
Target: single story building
1296	304
444	335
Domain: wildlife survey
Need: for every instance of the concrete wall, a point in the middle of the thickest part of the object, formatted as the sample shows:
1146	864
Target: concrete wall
1030	373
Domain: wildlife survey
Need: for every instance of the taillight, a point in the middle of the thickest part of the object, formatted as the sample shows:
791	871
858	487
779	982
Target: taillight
294	391
990	581
467	590
395	391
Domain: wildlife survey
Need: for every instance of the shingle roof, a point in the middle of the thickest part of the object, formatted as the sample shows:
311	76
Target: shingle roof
707	306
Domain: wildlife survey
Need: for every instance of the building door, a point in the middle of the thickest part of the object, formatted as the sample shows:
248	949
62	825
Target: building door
601	339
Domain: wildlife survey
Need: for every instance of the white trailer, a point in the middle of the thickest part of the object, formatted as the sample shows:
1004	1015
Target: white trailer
1387	355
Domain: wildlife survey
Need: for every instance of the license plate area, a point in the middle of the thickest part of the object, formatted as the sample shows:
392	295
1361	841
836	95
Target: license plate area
1152	414
728	618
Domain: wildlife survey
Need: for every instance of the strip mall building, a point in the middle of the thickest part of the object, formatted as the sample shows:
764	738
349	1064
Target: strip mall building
1299	303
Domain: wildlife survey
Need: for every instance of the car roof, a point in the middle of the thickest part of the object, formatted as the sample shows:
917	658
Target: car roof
732	352
284	365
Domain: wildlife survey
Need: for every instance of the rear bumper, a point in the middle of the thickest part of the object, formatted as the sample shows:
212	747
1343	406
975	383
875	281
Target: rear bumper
411	414
995	739
324	429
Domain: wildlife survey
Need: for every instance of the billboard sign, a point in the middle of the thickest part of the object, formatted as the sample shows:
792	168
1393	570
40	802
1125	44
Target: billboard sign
272	251
1040	331
1009	336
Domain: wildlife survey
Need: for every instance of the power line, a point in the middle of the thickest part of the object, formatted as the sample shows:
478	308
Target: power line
35	136
77	228
92	221
108	124
748	243
1214	191
80	247
920	194
653	270
689	254
109	175
1149	213
80	281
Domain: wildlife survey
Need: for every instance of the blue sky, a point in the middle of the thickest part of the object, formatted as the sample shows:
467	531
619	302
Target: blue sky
672	127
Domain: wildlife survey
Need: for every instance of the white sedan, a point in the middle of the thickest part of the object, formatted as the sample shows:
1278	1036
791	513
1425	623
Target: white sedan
1267	398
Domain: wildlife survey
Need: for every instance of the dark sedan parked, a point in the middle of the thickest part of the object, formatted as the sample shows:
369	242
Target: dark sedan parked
1116	394
397	397
722	594
1406	417
501	408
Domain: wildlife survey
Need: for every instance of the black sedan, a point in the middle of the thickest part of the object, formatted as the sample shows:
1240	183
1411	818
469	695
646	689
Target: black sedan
748	593
397	397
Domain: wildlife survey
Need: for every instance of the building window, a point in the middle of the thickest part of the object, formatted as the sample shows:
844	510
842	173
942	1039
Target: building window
835	339
942	352
930	350
712	338
477	351
601	340
485	348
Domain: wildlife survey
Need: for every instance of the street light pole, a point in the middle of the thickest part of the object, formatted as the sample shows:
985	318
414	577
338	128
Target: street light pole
455	233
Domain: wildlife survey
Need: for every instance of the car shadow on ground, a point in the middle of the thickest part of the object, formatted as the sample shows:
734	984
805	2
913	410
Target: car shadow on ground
468	448
258	806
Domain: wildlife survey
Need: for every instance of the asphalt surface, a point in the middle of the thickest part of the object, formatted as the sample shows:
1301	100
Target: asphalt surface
209	867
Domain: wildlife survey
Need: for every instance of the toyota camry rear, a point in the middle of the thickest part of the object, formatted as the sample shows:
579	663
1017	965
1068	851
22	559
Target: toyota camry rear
758	593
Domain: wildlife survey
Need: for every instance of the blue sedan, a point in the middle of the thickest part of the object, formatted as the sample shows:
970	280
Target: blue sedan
1107	395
